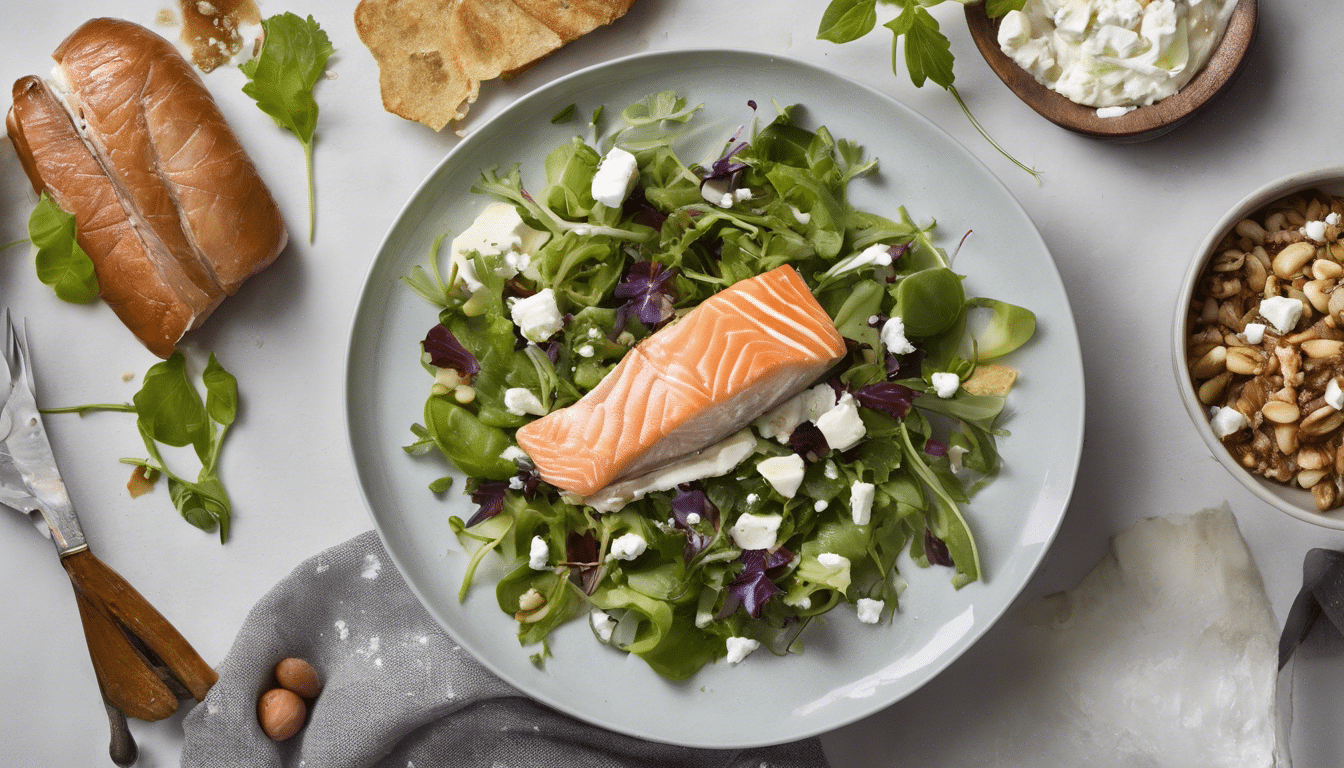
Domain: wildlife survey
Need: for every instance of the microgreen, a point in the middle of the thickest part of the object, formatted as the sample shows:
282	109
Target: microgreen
281	78
61	263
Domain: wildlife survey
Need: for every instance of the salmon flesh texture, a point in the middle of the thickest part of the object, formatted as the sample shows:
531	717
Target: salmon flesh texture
690	385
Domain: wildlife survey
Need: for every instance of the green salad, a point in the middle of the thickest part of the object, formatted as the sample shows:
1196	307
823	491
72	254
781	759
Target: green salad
667	576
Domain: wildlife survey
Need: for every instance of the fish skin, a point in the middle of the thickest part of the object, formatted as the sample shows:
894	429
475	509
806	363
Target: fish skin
690	385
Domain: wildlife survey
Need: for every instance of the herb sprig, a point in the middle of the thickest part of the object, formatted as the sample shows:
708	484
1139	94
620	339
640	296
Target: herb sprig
927	51
61	263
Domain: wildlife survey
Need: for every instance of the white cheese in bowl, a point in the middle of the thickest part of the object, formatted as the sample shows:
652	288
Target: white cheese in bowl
1114	53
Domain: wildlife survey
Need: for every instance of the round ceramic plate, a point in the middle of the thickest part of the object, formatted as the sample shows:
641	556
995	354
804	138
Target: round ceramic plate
848	669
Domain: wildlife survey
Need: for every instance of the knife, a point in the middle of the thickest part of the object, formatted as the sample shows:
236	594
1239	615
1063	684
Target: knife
142	662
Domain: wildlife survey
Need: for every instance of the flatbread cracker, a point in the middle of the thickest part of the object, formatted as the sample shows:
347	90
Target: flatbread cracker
433	54
992	379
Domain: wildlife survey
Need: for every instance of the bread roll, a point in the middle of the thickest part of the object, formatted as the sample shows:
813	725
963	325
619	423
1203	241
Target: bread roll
155	154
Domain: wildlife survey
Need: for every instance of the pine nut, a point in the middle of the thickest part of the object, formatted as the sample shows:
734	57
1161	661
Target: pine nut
1290	260
1324	269
1325	495
1244	361
1280	412
1319	348
1308	478
1211	364
1248	228
1285	437
1321	422
1316	292
1211	391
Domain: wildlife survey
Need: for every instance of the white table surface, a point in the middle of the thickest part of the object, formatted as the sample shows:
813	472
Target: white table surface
1121	221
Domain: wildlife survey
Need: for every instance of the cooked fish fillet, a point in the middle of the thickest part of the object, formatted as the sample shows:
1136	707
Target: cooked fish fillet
144	286
690	385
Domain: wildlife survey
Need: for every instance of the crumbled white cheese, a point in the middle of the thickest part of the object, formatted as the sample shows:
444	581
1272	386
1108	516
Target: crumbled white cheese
742	194
1254	333
752	498
1332	219
946	384
693	518
861	501
830	470
520	401
1281	312
874	255
726	201
538	554
741	647
628	546
537	316
800	216
593	333
870	611
1227	421
512	453
1105	112
1314	230
586	350
602	624
893	337
842	426
954	455
820	505
755	531
615	177
784	473
1334	396
832	560
497	230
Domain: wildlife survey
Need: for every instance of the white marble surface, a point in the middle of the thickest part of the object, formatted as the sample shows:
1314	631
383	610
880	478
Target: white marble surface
1121	221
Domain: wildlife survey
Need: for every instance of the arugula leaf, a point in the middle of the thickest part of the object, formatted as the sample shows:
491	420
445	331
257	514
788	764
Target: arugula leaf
846	20
281	77
567	114
61	263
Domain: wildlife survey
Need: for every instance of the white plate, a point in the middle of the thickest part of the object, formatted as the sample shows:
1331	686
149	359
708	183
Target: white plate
849	669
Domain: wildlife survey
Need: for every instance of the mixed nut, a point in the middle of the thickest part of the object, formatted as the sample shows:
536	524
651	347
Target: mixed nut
1266	343
282	711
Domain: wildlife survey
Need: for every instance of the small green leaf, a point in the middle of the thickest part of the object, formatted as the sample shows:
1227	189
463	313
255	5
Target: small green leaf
928	53
442	484
996	8
169	407
221	392
1010	327
61	263
846	20
565	115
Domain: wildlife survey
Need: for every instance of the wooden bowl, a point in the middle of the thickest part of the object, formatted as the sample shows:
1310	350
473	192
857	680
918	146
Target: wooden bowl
1141	124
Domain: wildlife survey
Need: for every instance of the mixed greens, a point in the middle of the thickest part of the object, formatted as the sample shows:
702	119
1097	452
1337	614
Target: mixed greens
774	197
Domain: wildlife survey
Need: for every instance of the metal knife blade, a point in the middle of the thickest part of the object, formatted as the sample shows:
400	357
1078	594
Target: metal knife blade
29	452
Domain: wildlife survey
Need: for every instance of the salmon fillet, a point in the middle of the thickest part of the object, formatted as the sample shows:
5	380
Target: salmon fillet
691	384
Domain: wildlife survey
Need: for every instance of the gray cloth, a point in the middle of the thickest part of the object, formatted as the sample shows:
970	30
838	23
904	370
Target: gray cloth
398	692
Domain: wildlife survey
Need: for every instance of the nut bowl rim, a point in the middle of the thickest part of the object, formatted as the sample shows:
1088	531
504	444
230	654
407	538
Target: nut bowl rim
1295	502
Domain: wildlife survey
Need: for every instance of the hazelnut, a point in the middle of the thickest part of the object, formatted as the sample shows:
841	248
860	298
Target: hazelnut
298	676
281	713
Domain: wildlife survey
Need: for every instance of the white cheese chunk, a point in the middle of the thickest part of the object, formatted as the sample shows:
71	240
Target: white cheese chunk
784	473
841	426
538	554
497	230
520	401
628	546
1332	219
802	217
1281	312
878	255
832	560
512	453
1334	396
602	624
861	501
755	531
1314	230
893	337
693	518
616	176
537	316
1227	421
945	385
1254	333
870	611
820	505
954	456
741	647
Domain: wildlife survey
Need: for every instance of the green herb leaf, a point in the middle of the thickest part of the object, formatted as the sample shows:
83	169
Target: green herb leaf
281	78
846	20
170	409
61	263
567	114
996	8
221	392
928	53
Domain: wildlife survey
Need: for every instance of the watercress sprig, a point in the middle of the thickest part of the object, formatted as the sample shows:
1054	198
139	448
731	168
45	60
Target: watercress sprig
927	51
281	77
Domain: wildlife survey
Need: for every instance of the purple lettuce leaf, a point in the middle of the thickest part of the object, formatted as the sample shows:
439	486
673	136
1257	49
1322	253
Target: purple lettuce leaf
807	441
644	212
490	496
648	294
581	556
935	448
887	397
445	351
753	588
911	363
688	501
935	549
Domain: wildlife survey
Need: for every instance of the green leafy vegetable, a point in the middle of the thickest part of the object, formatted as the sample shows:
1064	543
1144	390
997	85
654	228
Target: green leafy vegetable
281	78
927	51
61	263
565	115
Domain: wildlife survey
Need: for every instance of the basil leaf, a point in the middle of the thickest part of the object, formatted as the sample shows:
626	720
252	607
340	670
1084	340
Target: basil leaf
221	392
61	263
281	78
846	20
170	409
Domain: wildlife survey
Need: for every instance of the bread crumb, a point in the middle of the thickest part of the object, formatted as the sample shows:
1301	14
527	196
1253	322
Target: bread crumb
992	379
127	376
139	484
165	18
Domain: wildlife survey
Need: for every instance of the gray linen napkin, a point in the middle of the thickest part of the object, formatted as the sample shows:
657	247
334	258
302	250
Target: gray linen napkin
398	692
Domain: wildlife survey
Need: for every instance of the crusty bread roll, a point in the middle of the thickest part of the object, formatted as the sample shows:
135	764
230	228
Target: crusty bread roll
167	203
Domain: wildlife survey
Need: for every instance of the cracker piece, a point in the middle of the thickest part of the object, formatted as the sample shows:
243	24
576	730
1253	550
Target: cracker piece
992	379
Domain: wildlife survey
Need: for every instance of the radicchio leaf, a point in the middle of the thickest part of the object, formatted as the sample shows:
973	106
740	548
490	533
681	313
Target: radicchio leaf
445	351
888	397
490	496
581	555
935	448
936	550
753	588
644	212
688	501
911	362
552	350
808	441
648	294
